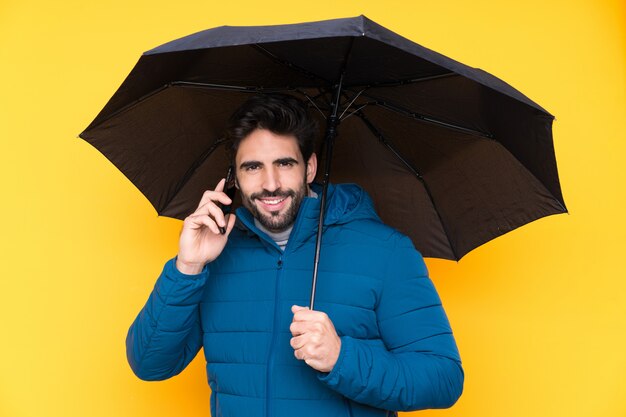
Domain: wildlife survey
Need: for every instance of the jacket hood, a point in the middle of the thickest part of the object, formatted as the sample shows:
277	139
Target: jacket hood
346	203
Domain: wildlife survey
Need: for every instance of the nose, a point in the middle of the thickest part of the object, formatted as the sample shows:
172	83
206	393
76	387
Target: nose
271	180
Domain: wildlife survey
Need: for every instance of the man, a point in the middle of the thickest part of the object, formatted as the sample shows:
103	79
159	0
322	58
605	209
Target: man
380	340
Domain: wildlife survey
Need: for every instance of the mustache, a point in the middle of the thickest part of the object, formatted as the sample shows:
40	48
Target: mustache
275	193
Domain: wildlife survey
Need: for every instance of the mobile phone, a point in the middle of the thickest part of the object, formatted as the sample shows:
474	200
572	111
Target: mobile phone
229	189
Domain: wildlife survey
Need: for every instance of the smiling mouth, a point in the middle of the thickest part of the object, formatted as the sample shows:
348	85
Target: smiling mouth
272	203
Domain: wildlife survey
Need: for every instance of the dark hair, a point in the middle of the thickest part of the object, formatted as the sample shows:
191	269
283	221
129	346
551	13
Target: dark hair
281	114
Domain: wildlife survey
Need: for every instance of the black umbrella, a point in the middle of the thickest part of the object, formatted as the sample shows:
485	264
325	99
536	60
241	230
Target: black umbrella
451	155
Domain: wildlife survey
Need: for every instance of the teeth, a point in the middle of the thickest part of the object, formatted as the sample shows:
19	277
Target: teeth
273	202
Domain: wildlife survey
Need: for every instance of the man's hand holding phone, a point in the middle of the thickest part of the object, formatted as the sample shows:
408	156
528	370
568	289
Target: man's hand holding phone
201	240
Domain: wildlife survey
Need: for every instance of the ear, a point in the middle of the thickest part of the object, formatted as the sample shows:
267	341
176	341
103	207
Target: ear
311	168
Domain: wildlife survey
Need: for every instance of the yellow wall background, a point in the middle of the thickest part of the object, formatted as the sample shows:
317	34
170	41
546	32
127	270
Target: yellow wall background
539	314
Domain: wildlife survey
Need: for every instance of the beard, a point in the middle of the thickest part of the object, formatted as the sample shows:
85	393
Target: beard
277	221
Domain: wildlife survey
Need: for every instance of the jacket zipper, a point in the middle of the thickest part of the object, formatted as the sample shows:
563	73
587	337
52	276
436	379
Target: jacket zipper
270	359
279	267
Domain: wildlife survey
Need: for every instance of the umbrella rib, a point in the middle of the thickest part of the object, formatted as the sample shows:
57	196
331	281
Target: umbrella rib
410	80
244	89
312	102
125	108
382	139
368	103
188	84
191	171
355	111
390	84
350	104
427	119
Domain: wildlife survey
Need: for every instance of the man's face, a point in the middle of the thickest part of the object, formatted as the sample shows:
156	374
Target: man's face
273	177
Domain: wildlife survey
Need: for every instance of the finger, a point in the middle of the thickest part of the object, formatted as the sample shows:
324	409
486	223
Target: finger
212	210
230	223
201	220
220	185
299	354
304	327
207	193
304	353
309	315
309	352
215	195
312	330
296	308
297	342
231	219
297	328
217	214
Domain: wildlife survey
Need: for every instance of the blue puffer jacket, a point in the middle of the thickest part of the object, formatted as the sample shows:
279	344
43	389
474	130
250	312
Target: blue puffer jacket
397	349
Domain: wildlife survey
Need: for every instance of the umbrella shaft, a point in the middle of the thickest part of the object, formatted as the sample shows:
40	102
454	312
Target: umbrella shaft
331	131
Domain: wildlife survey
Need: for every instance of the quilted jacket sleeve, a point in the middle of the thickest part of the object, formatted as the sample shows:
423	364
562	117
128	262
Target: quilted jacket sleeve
419	366
166	335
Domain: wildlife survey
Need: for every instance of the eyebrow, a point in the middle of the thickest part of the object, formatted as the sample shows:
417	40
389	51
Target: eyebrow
285	160
247	164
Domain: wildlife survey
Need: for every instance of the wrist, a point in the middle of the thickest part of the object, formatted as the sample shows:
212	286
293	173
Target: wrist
188	268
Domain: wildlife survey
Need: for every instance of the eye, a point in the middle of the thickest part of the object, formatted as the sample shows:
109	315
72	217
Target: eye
252	167
285	164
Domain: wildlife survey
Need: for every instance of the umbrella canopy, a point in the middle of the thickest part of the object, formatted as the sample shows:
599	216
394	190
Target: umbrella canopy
451	155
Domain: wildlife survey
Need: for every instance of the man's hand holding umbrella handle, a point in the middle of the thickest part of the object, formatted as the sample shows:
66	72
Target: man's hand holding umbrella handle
315	340
200	240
